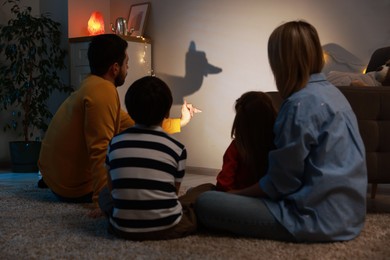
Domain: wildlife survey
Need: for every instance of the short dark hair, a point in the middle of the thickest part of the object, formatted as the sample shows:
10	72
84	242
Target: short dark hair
105	50
148	101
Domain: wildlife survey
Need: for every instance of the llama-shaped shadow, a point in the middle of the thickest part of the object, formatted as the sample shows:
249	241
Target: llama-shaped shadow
197	67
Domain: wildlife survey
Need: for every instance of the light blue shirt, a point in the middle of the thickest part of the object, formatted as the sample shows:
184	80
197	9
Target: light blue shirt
317	177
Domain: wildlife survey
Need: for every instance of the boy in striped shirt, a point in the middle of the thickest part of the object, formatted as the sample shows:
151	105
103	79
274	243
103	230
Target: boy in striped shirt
146	167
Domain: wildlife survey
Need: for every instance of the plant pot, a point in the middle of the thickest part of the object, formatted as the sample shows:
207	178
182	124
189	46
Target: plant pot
24	156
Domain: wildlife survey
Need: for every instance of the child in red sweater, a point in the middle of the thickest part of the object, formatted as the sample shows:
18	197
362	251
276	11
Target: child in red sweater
246	159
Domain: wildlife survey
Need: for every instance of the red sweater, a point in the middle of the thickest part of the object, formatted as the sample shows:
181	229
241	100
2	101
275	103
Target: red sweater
234	174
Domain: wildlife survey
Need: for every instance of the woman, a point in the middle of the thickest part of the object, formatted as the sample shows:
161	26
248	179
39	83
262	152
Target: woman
315	186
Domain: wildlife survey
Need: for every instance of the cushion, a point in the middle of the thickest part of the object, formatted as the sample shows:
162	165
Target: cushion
339	78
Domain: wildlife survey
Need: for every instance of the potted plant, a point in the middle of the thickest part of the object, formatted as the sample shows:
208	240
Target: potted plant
34	57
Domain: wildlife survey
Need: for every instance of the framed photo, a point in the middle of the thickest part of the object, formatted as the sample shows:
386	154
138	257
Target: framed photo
138	17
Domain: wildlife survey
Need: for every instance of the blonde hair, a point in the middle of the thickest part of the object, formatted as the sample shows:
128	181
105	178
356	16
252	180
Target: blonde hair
294	53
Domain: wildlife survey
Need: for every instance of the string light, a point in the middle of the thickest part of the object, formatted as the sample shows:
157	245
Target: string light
143	57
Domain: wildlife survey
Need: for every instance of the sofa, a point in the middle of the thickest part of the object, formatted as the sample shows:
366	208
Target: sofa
372	108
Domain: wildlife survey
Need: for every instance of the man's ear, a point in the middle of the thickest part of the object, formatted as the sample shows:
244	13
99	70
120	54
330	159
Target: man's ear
115	69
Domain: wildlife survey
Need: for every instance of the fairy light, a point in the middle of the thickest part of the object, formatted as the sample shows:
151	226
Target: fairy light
326	57
143	59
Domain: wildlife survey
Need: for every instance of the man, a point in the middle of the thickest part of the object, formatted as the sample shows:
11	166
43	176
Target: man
74	148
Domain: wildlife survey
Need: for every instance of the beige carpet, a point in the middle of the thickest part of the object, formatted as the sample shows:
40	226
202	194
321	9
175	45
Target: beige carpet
33	227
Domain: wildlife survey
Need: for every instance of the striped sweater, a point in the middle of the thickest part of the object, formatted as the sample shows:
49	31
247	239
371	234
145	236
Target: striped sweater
145	164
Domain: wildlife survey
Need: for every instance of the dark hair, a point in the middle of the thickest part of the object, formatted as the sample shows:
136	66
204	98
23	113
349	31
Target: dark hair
294	53
253	130
105	50
148	101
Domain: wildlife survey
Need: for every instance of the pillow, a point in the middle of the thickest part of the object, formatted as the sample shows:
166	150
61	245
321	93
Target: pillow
339	78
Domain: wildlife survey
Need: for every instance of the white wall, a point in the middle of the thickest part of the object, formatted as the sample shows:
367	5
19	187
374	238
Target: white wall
233	34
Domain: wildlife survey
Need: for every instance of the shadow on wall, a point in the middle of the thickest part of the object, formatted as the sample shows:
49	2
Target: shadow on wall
338	58
197	67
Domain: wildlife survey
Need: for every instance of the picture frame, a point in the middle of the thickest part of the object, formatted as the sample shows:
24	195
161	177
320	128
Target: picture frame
138	17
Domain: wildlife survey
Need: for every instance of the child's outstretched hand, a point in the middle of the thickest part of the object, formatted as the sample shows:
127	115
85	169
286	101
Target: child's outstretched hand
187	112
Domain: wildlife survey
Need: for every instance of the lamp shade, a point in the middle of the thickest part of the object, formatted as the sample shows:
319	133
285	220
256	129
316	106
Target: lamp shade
96	23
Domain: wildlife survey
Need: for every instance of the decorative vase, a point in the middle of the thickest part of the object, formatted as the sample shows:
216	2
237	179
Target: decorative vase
24	156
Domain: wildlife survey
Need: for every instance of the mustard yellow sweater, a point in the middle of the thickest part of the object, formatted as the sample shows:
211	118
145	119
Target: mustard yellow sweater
74	148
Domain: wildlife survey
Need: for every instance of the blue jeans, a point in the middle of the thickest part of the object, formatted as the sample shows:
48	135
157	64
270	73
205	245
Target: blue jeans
240	215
